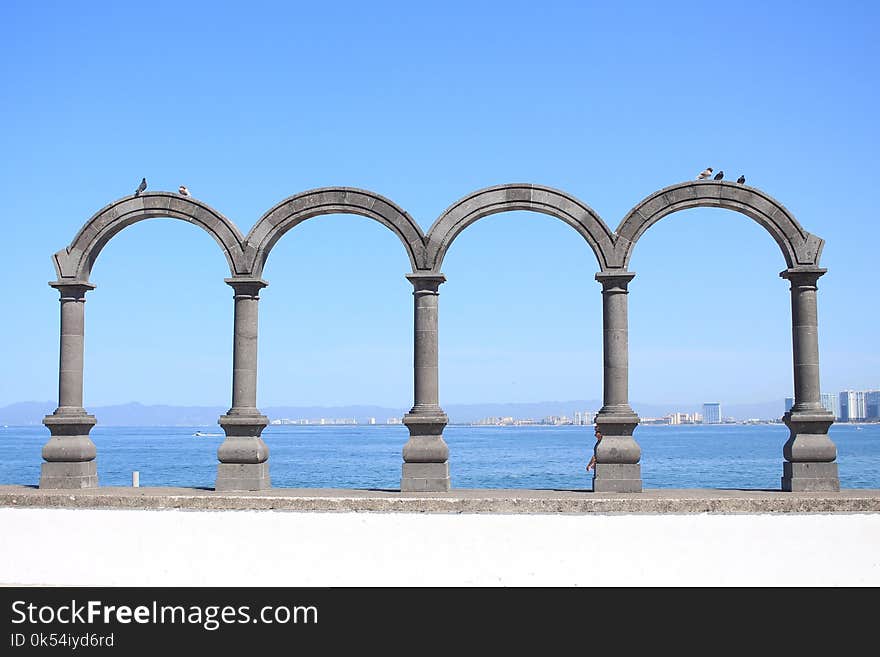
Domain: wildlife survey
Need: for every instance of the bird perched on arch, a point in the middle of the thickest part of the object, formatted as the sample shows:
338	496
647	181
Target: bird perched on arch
183	190
719	175
741	180
705	173
141	188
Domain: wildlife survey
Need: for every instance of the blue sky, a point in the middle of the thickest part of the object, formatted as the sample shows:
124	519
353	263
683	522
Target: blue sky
248	103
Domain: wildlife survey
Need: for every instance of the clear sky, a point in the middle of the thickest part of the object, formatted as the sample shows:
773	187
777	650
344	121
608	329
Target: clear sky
248	103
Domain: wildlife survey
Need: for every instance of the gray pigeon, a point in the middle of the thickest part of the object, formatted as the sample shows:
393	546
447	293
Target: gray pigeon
141	188
705	173
741	180
719	175
183	191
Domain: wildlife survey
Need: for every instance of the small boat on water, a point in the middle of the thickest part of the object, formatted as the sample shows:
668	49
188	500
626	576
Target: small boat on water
202	433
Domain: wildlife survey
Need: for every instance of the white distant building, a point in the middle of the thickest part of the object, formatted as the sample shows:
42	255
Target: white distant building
852	406
372	420
712	413
683	418
829	403
582	418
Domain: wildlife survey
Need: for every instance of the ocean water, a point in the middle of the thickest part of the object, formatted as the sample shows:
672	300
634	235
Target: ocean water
369	457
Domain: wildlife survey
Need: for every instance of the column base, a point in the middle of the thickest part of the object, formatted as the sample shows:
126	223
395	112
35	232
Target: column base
617	454
69	454
425	477
69	475
426	454
810	477
242	476
809	452
243	455
617	478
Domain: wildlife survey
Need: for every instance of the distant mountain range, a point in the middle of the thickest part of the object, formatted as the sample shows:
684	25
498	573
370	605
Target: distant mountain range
136	414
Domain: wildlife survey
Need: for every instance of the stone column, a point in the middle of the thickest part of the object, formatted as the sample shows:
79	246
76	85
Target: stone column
70	454
243	455
425	455
617	454
809	453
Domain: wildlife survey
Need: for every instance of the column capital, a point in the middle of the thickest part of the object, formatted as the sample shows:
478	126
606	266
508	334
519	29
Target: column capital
426	281
72	290
803	276
615	280
246	286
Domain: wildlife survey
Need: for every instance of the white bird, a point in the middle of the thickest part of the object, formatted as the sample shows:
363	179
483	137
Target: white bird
141	188
705	173
183	191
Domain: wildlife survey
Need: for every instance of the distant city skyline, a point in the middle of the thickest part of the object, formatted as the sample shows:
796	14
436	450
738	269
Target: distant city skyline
545	412
849	405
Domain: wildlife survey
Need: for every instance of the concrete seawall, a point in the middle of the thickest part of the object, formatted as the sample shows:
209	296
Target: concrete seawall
454	501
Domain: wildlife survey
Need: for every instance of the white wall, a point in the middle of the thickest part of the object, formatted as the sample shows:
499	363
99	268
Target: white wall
266	548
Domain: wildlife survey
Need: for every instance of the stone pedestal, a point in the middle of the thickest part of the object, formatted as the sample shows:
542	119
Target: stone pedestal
617	468
69	454
809	453
426	454
242	476
243	455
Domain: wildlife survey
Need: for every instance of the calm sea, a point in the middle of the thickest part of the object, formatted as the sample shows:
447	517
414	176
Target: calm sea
711	456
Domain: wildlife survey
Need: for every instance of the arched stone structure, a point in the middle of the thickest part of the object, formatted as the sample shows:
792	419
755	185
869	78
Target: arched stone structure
331	200
244	423
69	454
512	197
809	452
426	454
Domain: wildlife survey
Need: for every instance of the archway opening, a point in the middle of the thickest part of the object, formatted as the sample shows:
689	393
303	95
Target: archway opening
158	354
709	323
520	354
335	354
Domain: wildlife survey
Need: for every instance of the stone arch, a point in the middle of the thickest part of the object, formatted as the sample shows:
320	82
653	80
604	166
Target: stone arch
331	200
511	197
799	248
75	262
